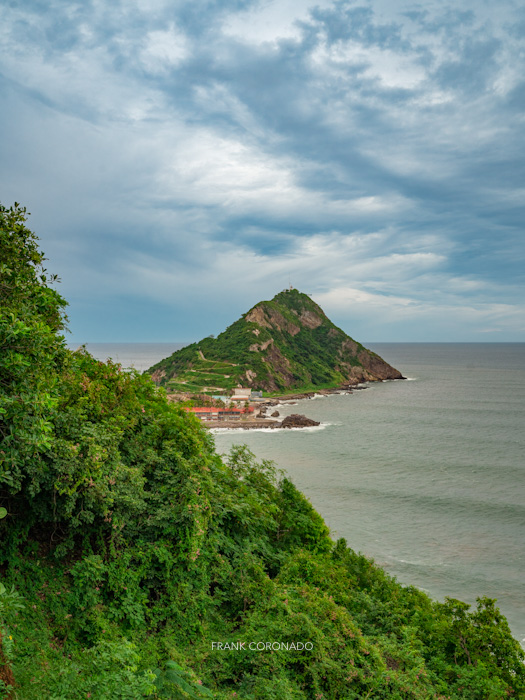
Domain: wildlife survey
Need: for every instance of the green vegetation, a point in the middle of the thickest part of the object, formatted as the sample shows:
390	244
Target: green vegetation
128	547
282	344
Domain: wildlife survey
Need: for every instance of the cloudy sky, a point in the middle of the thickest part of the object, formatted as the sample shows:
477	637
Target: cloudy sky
183	160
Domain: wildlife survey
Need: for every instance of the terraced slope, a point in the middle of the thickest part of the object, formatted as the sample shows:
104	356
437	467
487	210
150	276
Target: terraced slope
278	345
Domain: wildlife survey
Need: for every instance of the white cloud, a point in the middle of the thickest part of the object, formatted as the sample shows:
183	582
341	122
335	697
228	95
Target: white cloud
163	50
201	167
270	20
322	261
391	69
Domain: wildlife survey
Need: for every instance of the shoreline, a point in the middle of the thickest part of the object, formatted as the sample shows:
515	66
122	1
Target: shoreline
259	422
242	424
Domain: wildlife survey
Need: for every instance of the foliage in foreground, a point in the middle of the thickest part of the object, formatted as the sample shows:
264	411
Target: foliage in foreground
133	547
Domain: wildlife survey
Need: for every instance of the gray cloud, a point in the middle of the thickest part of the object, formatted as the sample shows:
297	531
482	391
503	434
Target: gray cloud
375	156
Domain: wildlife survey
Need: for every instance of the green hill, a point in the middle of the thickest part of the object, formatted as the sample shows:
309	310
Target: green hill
282	344
136	562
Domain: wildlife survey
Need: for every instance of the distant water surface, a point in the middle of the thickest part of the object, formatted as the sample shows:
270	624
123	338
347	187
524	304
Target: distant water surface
427	476
139	356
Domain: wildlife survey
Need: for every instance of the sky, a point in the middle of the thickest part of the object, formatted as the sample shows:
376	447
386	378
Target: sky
183	160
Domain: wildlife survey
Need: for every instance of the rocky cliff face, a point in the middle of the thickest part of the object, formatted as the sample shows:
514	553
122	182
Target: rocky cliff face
286	343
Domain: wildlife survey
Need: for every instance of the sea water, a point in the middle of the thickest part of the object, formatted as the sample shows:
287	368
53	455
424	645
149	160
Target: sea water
139	356
427	476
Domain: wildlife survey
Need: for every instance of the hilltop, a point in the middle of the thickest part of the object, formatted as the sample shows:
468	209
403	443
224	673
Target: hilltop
286	343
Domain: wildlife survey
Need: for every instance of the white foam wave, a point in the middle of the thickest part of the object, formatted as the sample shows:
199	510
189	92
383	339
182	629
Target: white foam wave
308	429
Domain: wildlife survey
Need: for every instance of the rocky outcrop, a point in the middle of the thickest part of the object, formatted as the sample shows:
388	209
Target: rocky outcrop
296	420
310	320
268	317
158	376
260	348
377	367
280	366
256	315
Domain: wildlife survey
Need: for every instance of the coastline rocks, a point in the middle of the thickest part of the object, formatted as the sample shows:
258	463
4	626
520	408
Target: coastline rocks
295	420
347	388
269	403
275	414
295	397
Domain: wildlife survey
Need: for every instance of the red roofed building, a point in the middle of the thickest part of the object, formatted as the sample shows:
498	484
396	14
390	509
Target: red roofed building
214	413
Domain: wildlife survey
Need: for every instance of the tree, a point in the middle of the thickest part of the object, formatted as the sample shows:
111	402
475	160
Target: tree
31	349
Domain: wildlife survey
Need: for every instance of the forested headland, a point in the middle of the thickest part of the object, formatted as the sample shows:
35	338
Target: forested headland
129	549
284	344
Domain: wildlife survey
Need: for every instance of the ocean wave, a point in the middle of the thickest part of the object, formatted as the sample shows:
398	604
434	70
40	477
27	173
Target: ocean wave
308	429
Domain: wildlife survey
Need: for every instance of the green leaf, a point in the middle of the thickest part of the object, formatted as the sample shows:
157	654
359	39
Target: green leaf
174	674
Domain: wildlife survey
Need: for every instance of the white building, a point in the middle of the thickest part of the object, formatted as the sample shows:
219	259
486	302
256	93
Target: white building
241	394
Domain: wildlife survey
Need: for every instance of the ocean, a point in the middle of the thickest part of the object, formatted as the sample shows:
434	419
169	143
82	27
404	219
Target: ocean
139	356
427	476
